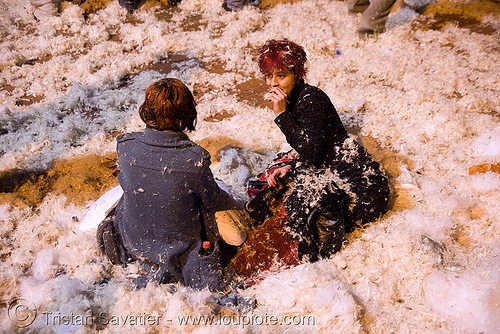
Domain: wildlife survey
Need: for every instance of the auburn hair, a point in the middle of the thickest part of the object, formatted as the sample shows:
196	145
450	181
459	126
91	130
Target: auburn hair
169	105
282	55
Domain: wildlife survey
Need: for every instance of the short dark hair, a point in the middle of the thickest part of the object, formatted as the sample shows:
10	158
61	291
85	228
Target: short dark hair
282	54
169	105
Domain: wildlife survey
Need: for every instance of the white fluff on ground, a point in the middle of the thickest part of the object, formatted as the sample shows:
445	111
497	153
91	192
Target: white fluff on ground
429	98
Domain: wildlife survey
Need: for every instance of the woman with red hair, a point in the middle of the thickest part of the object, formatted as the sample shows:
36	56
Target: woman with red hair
334	183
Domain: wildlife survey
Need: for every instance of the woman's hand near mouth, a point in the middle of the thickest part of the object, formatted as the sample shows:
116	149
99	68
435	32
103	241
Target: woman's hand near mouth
278	98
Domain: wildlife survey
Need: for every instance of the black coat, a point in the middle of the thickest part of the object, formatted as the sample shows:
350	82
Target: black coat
311	124
168	188
332	168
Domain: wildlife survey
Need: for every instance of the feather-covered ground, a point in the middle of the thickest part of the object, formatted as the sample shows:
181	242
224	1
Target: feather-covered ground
424	98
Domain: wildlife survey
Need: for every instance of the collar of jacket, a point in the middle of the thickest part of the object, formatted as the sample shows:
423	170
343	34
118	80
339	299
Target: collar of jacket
164	138
294	95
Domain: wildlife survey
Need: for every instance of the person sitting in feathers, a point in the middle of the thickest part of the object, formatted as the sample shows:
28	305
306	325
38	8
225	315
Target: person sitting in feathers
170	202
333	182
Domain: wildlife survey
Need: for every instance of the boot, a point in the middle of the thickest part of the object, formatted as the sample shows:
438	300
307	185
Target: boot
330	236
131	5
259	208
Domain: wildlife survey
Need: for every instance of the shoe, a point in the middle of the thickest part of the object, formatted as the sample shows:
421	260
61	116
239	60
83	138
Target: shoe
226	8
131	5
330	236
365	33
259	208
355	12
236	303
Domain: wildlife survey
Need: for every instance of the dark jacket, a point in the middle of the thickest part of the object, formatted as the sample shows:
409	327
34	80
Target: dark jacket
311	124
168	187
313	128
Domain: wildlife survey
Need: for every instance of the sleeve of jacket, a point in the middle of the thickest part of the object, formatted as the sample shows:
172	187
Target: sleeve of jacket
208	190
209	193
306	129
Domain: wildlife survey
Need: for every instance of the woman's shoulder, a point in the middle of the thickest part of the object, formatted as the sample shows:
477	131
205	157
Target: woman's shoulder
199	151
168	145
304	93
126	136
312	92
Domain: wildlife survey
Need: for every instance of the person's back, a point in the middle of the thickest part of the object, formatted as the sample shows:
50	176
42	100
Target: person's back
162	176
169	196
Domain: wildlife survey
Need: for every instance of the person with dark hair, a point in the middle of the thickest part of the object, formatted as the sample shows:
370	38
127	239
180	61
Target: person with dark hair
333	183
170	198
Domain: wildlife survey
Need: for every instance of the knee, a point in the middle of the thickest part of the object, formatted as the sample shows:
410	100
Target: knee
232	225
